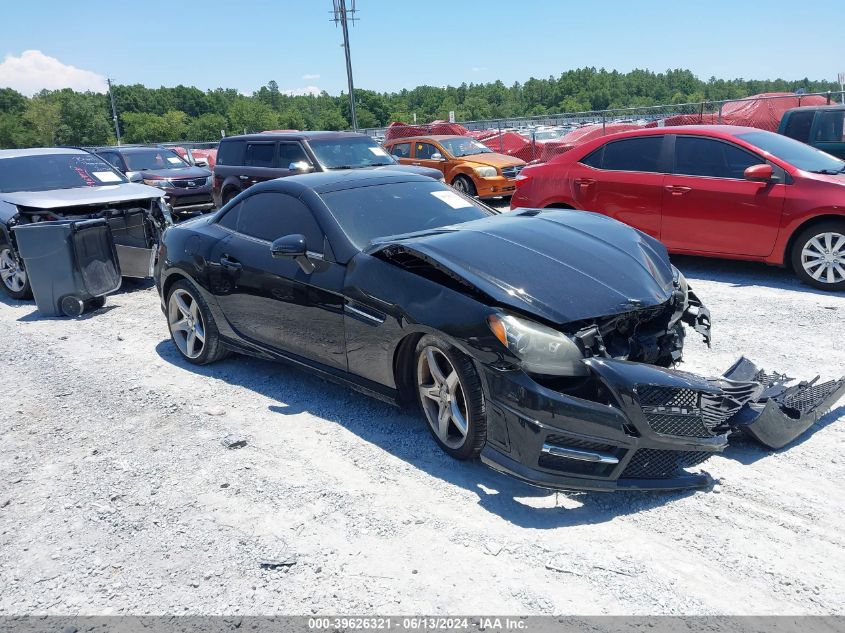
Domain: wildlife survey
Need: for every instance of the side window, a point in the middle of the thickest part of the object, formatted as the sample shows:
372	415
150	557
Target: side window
633	154
269	216
113	158
593	159
291	153
259	154
696	156
401	150
798	125
829	126
230	220
424	151
231	153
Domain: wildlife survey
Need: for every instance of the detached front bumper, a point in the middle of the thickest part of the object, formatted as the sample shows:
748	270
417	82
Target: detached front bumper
632	426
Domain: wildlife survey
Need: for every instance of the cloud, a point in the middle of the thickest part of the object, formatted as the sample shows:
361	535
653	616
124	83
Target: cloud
310	77
34	71
478	69
307	90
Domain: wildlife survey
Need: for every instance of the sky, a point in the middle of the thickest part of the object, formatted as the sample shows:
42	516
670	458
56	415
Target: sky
399	44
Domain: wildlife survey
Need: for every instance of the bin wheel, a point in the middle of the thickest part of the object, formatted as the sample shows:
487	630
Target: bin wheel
12	274
72	306
97	302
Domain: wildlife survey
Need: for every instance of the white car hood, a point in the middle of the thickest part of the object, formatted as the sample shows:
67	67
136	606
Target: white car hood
78	196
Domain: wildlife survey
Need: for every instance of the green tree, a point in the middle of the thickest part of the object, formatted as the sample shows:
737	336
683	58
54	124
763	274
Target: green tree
251	115
206	127
43	118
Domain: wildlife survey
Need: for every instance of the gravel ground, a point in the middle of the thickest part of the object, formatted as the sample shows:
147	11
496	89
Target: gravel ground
117	496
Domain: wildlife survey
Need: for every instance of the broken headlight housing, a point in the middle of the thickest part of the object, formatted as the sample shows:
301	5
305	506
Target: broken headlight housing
540	349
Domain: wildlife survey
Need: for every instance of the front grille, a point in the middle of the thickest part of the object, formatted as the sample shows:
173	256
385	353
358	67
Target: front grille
190	183
511	172
808	398
574	442
652	463
181	201
676	411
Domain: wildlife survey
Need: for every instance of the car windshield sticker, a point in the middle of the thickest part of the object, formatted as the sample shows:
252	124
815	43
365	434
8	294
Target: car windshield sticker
452	199
378	151
174	160
106	176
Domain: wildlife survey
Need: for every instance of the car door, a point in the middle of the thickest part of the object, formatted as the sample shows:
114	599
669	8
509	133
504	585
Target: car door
401	152
423	153
829	132
291	152
259	163
709	206
272	302
624	180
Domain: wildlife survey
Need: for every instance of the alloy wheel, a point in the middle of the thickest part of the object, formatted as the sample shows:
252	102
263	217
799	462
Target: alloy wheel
442	397
186	324
461	185
13	276
823	257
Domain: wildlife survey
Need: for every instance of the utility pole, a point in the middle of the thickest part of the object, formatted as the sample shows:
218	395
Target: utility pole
344	14
114	112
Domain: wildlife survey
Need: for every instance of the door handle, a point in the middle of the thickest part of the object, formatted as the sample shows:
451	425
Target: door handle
415	163
677	190
584	182
230	264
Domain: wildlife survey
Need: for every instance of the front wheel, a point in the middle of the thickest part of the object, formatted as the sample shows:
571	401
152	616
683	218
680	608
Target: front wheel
192	326
464	185
450	396
12	274
818	255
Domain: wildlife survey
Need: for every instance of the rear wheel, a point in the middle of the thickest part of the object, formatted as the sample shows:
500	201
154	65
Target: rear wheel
464	185
450	396
818	255
192	326
12	274
229	196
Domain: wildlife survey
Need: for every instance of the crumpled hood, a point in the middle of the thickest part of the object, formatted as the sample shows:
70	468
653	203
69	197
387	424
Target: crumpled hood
77	196
492	159
561	265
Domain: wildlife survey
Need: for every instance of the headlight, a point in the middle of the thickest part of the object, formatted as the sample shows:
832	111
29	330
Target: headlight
485	172
161	183
540	349
680	280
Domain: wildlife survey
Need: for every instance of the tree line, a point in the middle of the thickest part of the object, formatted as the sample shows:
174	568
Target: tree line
151	115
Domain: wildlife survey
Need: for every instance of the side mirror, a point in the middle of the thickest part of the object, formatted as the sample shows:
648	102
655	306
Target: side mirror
135	176
437	156
300	167
293	247
759	173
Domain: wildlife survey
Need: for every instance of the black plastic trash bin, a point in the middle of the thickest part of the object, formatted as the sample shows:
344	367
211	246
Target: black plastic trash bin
72	264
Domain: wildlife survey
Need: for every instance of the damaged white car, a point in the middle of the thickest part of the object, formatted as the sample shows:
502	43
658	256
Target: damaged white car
63	183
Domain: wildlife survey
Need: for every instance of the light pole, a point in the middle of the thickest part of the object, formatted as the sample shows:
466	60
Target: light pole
344	14
114	112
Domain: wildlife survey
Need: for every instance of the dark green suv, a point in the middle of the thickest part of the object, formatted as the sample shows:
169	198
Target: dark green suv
819	126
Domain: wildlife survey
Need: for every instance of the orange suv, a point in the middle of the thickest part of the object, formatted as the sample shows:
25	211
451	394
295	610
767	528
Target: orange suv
466	164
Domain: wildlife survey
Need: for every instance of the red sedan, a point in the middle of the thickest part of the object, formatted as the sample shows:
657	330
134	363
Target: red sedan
714	190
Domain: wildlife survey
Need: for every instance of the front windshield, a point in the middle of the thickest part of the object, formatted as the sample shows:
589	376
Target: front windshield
46	172
153	159
794	152
367	213
350	153
464	146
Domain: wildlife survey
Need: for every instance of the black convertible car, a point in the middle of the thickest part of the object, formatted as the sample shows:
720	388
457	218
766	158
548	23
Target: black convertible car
540	339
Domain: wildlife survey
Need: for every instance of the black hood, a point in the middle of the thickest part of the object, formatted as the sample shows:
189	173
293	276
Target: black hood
561	266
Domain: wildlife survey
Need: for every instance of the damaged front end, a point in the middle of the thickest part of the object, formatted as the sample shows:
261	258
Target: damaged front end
627	420
136	227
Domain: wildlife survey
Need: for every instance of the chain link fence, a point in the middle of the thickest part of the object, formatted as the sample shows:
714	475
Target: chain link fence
539	138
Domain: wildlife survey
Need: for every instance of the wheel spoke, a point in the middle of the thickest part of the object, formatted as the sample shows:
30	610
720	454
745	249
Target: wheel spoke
831	277
817	273
195	310
840	242
452	381
180	326
6	273
199	331
431	392
190	342
444	416
434	368
458	418
183	307
815	243
840	270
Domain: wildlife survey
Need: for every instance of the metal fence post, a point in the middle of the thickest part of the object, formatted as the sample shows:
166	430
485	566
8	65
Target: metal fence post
501	140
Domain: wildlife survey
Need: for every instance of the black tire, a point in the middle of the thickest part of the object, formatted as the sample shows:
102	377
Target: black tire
807	240
468	398
212	349
22	293
97	302
465	185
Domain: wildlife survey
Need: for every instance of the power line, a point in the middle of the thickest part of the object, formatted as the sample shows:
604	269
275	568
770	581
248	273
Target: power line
345	14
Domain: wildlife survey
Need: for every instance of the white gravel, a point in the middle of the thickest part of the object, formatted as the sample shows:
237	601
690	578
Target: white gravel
117	495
